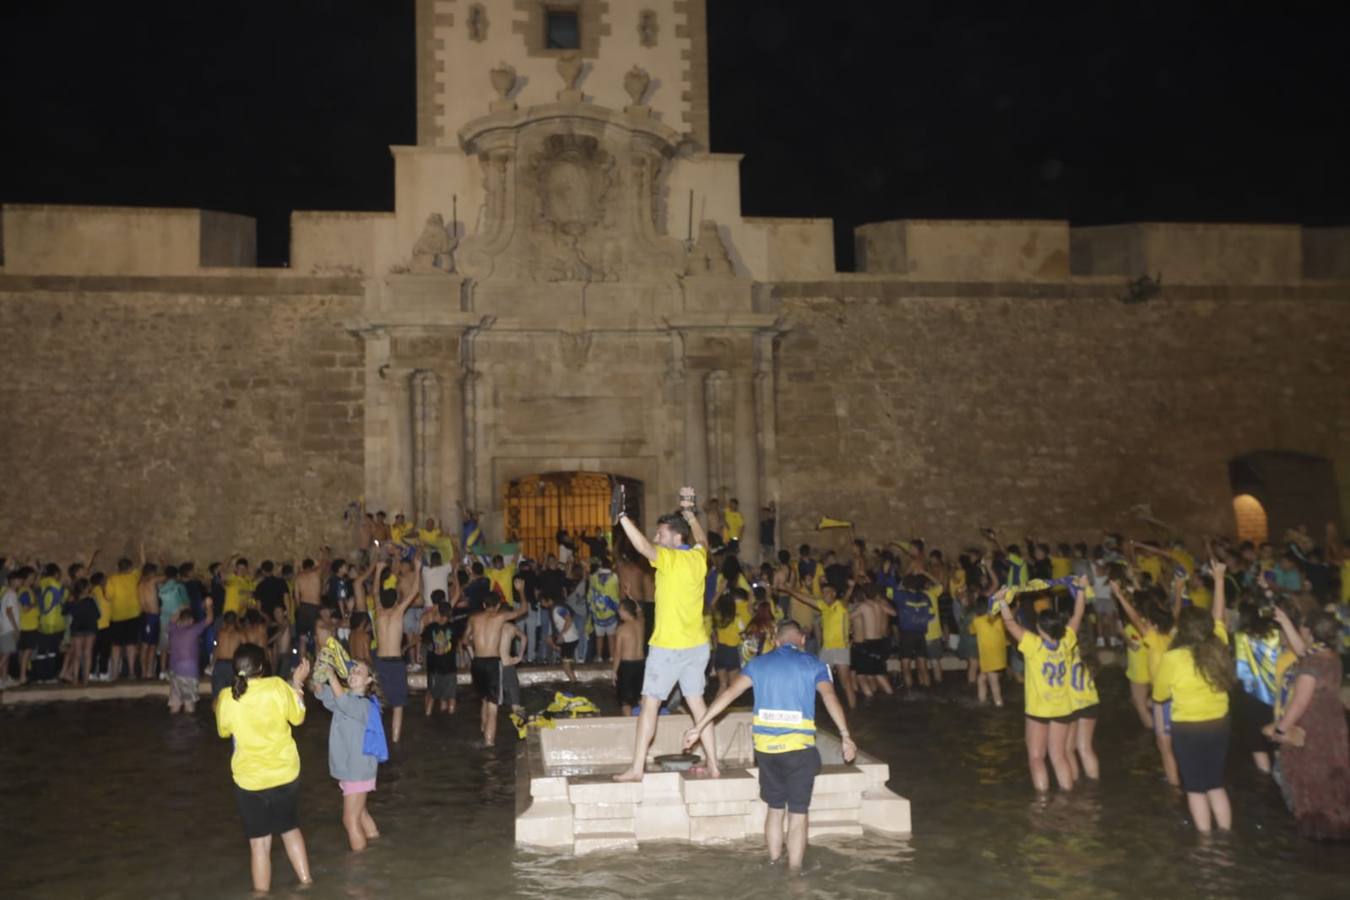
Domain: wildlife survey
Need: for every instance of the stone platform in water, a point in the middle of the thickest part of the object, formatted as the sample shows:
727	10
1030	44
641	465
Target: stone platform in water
567	800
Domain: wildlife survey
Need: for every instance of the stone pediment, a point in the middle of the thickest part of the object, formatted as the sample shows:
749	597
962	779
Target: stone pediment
574	193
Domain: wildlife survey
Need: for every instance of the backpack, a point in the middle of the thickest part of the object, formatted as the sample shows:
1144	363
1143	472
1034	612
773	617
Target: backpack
913	610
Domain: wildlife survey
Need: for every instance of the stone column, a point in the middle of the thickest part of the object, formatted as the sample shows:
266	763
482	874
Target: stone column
426	432
717	410
400	481
696	435
745	444
768	421
451	449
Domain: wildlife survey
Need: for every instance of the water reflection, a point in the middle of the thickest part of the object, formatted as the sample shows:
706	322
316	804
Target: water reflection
118	800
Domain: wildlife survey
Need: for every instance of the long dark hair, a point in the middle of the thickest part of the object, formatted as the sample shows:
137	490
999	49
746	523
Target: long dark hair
1195	631
724	609
250	661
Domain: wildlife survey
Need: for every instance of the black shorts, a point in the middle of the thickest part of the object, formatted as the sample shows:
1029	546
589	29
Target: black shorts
270	811
1201	749
869	657
1087	712
393	675
28	640
568	650
1046	720
222	676
126	633
443	685
150	628
787	779
510	686
306	614
1250	715
486	672
726	659
913	645
629	687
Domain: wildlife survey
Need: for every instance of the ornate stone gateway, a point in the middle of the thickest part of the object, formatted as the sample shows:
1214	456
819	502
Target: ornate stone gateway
537	507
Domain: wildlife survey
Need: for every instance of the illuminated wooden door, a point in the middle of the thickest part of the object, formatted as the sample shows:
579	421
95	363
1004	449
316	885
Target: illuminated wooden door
539	506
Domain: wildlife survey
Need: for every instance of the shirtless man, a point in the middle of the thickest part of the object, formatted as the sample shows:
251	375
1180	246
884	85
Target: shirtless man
147	592
784	578
228	638
308	594
389	664
629	658
870	620
410	591
484	638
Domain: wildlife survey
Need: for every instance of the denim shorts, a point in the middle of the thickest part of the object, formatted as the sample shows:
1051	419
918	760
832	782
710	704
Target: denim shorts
666	668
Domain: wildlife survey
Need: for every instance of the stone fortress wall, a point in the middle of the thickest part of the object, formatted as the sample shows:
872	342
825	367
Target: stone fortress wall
224	409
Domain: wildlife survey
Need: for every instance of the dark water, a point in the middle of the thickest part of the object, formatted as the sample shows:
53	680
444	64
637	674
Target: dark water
117	799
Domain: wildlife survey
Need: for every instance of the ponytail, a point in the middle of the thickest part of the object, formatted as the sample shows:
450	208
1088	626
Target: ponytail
250	661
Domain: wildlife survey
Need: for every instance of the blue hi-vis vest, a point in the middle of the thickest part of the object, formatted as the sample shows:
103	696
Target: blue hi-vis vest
785	699
1256	664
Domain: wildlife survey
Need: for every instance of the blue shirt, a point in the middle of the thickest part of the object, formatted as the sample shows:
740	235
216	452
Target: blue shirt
785	699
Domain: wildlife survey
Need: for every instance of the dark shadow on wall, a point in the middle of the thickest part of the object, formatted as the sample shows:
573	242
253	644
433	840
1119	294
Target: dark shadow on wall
1294	489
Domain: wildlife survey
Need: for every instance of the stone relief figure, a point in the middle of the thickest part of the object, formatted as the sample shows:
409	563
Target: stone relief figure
647	28
708	255
434	249
503	79
478	23
569	68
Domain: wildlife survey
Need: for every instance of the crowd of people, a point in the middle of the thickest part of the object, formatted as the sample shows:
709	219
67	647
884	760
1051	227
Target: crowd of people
1245	643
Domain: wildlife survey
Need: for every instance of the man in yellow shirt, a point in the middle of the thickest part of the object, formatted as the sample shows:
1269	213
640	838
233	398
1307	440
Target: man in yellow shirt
502	574
123	593
238	589
399	531
735	525
679	645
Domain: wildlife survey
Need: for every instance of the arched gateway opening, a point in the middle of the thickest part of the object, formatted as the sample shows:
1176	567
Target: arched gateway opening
1275	490
539	506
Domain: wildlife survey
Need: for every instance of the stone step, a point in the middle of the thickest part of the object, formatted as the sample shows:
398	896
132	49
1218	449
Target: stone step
711	829
603	811
824	828
604	826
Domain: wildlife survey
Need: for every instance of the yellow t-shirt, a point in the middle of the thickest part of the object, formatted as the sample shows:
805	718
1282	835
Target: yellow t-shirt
1155	644
1185	559
123	598
104	608
1193	698
29	614
1136	656
679	598
834	626
1202	597
265	755
735	524
1060	567
992	638
504	581
934	632
729	635
1047	674
398	533
1082	686
238	594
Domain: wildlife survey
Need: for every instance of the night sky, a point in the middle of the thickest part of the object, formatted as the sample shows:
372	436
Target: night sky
860	110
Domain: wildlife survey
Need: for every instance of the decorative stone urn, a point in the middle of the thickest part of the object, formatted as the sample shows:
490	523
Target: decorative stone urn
635	82
503	79
569	67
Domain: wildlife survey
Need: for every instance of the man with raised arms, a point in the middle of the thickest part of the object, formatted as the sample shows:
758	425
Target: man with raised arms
484	638
679	646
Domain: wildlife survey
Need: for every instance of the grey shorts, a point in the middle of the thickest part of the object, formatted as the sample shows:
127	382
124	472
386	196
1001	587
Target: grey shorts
666	668
838	657
935	649
182	690
8	644
443	685
412	620
605	629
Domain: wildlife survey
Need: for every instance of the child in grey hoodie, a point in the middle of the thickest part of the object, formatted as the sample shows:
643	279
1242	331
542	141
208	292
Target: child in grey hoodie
356	746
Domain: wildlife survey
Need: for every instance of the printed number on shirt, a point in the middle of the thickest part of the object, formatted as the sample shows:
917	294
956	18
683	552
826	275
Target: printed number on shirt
781	716
1078	676
1053	673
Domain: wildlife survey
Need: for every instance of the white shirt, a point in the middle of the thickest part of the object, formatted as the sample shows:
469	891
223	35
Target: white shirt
436	578
9	601
565	626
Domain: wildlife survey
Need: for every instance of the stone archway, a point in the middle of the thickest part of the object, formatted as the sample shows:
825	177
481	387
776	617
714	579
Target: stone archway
1293	489
535	507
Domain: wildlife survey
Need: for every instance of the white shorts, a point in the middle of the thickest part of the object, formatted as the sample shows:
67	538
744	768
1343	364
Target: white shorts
605	629
666	668
837	657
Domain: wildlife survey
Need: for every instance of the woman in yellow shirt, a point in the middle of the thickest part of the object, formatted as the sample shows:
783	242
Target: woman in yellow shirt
1196	675
1049	651
992	640
258	712
1155	630
730	616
